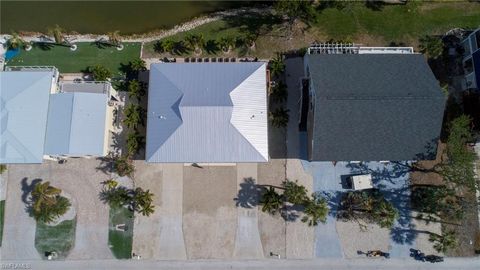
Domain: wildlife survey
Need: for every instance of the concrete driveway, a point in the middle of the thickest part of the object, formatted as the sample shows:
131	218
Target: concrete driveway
78	177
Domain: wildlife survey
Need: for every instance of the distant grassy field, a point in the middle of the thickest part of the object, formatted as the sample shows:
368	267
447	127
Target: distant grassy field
87	54
354	22
60	238
120	242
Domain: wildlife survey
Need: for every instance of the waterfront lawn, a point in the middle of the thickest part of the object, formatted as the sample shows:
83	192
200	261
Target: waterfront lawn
355	23
120	242
60	238
2	214
87	54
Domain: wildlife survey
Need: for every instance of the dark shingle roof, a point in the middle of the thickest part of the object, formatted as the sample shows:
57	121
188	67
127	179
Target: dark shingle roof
374	107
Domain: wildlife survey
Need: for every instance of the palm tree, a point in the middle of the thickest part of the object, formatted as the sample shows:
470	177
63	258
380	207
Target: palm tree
44	194
443	242
384	214
123	166
195	42
277	66
250	39
114	39
135	89
271	201
58	34
116	197
226	44
138	65
110	183
100	73
279	117
147	210
294	193
134	142
279	92
316	210
168	45
133	116
15	42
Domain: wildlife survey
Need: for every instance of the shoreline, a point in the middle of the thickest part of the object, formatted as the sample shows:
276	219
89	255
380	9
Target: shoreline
154	35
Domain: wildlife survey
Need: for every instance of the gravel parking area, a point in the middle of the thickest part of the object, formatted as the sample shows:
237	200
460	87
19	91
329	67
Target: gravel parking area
209	212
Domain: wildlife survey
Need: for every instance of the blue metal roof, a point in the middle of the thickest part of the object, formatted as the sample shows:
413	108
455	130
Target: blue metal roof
23	115
76	124
207	112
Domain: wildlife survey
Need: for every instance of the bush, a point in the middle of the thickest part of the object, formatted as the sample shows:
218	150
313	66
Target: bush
3	168
48	213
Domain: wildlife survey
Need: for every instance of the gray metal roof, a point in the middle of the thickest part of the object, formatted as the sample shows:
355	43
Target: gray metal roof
23	115
76	124
207	112
374	107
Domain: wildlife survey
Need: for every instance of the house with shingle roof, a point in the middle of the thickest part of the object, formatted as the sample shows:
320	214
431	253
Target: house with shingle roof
372	107
207	113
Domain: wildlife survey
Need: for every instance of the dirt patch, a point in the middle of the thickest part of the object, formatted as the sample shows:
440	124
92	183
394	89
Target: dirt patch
425	176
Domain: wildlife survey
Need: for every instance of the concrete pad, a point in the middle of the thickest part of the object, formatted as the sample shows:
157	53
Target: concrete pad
209	212
160	236
353	239
247	239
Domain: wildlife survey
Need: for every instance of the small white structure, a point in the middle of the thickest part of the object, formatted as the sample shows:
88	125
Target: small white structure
360	182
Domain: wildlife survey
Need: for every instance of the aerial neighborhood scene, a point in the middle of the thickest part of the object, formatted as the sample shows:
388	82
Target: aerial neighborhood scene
281	134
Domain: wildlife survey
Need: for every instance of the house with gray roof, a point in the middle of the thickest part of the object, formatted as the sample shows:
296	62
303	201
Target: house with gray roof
207	113
372	107
40	120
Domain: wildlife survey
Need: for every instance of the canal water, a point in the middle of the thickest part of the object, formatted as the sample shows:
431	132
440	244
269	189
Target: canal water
99	17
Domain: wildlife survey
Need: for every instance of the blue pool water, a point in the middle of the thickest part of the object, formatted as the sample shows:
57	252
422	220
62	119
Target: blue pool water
11	53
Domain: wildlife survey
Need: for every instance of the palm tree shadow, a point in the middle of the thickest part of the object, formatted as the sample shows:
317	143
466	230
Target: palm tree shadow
249	194
26	191
44	46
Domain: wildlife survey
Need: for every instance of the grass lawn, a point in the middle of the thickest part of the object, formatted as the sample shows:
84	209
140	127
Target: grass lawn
356	23
87	54
60	238
2	214
120	242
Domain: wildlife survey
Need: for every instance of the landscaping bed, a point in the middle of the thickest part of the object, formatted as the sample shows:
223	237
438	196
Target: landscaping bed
87	54
120	241
59	238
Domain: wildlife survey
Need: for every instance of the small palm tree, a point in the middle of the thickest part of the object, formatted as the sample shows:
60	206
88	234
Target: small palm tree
57	33
110	183
142	201
226	44
250	39
147	210
445	242
134	142
316	210
138	65
135	89
279	92
100	73
195	42
271	201
3	168
15	42
279	117
123	166
114	39
384	214
116	197
168	45
277	66
133	116
44	194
